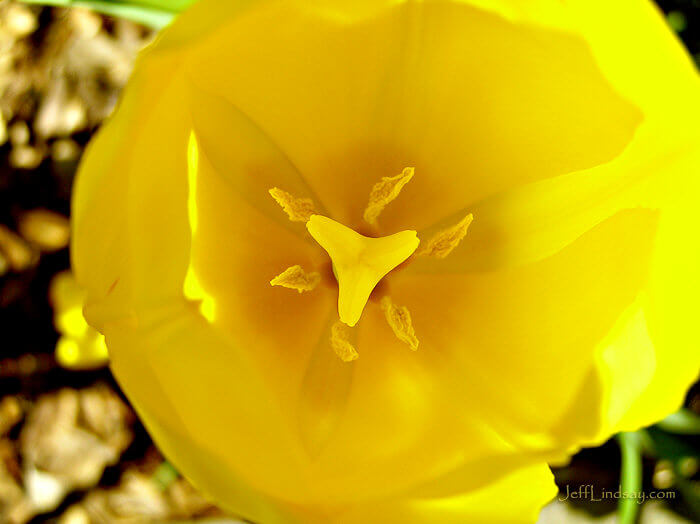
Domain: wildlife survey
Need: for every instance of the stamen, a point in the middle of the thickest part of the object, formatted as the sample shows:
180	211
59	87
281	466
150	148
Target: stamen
298	209
446	240
399	319
383	192
296	278
340	342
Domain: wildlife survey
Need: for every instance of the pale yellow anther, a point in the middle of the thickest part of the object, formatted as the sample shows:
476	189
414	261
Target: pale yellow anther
298	209
399	319
446	240
296	278
383	192
359	262
340	342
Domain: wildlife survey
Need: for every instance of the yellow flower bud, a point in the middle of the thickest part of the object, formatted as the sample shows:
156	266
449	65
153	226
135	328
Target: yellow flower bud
79	346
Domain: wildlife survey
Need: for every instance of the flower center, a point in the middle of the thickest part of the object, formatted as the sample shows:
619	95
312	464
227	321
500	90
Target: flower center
359	262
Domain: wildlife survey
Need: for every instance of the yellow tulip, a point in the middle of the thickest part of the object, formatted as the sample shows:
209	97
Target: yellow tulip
378	261
80	346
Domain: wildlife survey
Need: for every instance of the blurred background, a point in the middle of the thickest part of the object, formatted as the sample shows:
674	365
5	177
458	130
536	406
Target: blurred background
71	449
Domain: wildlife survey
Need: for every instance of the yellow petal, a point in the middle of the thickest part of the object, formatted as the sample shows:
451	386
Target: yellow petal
624	364
530	222
172	383
118	212
671	307
324	392
632	43
528	337
235	251
649	358
644	61
202	442
249	161
349	115
515	498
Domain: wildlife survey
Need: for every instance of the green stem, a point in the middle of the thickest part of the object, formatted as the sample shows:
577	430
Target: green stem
630	476
149	12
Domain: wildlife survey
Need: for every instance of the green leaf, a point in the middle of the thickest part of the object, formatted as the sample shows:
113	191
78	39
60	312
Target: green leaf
152	13
173	6
683	422
165	474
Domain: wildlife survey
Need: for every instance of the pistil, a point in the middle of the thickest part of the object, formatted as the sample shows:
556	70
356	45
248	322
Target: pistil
359	262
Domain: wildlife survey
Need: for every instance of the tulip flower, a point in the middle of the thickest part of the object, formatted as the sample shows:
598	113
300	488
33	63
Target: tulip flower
380	261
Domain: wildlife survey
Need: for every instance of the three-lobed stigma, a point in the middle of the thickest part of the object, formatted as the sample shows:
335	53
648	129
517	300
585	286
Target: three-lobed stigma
359	262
